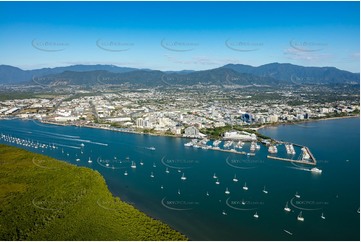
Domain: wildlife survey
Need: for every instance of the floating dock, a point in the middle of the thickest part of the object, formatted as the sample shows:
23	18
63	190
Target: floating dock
312	162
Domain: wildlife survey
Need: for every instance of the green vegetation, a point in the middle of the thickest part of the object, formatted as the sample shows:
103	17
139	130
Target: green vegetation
217	133
45	199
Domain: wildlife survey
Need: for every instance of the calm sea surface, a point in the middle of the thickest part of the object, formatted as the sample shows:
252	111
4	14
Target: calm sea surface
200	208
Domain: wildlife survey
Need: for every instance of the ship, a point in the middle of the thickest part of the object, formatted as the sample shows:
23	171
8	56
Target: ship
316	170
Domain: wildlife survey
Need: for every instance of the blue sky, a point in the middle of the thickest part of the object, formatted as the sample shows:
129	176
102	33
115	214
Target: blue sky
180	35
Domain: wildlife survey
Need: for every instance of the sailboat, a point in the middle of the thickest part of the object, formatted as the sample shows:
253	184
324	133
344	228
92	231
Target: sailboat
154	165
183	177
214	176
90	161
243	202
217	182
166	170
245	187
141	163
287	209
151	175
178	191
264	190
161	187
323	216
227	191
300	218
125	173
133	165
224	213
207	193
358	210
255	215
297	195
235	178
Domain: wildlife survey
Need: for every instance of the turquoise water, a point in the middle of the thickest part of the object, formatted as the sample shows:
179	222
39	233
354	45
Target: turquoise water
185	205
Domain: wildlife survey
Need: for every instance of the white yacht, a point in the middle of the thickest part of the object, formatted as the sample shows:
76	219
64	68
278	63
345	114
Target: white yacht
297	195
300	218
264	190
90	161
227	191
166	170
133	165
125	173
217	182
286	208
316	170
272	149
245	187
255	215
235	178
214	176
183	177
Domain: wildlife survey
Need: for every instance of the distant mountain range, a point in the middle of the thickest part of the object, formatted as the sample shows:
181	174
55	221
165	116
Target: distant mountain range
231	74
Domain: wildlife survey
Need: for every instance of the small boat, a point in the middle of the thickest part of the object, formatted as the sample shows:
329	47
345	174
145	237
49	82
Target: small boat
107	164
127	158
207	194
90	161
227	191
300	218
286	208
235	178
224	213
264	190
245	187
77	159
316	170
125	173
82	145
358	210
166	170
150	148
297	195
243	202
179	192
154	165
133	165
288	232
255	215
161	187
183	178
179	171
141	163
214	176
323	216
151	175
217	182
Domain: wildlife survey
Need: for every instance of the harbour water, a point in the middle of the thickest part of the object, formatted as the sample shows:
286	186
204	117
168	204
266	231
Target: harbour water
196	205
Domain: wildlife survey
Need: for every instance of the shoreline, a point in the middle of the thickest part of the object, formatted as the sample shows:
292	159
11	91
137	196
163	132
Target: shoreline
304	121
179	136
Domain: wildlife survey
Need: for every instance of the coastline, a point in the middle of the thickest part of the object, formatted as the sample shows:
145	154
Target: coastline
304	121
180	136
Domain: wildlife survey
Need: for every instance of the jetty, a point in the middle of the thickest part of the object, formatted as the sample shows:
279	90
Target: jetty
301	161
